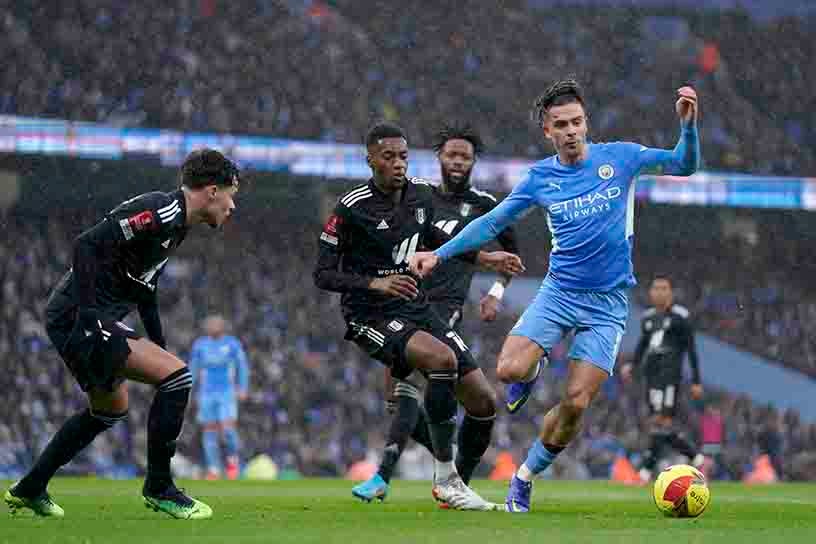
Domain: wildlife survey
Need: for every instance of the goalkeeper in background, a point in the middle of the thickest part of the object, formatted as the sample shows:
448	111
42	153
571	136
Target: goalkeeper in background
221	379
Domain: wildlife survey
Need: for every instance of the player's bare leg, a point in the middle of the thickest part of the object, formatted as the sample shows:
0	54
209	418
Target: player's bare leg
560	425
437	360
478	398
519	365
563	422
150	364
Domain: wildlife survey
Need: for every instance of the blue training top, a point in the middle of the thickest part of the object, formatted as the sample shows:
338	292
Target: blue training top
219	365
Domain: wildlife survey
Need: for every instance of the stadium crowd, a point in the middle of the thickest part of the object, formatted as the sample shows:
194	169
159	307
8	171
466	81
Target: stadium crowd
323	70
752	287
316	402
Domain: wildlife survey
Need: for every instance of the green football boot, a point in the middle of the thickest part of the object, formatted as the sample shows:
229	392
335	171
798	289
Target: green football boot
41	505
175	503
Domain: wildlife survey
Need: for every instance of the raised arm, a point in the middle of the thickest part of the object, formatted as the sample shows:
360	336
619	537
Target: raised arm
684	159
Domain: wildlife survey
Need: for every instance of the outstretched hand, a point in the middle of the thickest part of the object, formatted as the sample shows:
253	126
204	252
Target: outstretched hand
501	262
686	106
423	262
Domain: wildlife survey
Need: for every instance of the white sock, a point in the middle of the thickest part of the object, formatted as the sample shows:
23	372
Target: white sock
443	469
524	474
532	374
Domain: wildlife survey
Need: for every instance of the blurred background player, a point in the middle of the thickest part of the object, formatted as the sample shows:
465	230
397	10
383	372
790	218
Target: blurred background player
116	268
587	191
221	377
456	203
666	336
365	248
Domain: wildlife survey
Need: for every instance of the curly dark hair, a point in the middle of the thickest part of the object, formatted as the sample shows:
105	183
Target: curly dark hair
561	92
458	131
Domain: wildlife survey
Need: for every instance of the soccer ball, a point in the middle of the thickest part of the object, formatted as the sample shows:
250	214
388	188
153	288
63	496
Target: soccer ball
681	491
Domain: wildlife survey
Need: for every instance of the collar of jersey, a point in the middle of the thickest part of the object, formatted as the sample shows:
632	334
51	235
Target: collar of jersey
377	192
581	164
451	195
178	194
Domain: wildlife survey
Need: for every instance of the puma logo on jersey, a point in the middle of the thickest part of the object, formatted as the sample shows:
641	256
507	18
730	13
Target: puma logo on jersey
557	186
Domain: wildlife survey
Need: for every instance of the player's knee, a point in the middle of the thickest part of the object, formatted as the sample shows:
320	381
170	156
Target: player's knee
576	401
443	359
508	370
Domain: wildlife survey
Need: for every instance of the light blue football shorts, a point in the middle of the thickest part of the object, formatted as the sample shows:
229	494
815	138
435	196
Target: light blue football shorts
598	319
217	407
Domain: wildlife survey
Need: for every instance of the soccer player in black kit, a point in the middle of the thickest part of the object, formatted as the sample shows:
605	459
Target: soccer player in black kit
116	268
364	252
666	336
456	203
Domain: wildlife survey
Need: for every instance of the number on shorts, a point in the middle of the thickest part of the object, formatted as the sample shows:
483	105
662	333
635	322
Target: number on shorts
661	398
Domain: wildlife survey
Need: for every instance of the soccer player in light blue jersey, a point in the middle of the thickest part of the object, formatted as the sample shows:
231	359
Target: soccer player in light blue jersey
221	378
588	192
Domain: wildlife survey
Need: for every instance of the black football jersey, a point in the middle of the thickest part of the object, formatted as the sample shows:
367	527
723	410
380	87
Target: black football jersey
127	251
665	338
450	281
370	236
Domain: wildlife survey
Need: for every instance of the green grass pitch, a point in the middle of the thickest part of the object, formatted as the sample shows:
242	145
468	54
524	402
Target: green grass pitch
111	512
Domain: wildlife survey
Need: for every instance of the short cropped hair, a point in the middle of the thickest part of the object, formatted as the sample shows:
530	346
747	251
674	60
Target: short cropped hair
383	130
207	166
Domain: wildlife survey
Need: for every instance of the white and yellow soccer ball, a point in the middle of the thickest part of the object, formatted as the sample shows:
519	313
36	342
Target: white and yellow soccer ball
681	491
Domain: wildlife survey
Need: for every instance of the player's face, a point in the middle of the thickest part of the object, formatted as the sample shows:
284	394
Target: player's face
221	205
456	158
214	326
660	293
566	126
388	160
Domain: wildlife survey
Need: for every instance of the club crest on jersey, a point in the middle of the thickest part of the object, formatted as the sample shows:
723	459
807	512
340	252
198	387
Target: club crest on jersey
420	216
465	210
395	325
606	171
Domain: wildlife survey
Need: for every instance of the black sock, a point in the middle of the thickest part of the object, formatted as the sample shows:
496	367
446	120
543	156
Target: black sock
74	435
421	435
474	439
405	419
657	442
440	405
164	426
681	445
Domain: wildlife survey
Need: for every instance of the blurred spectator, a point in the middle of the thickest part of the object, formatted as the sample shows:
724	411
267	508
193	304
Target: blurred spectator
324	70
